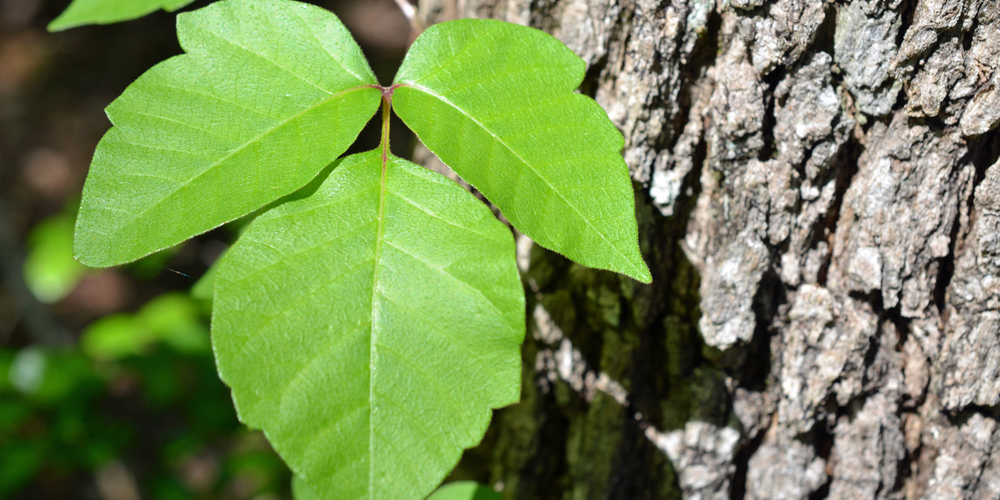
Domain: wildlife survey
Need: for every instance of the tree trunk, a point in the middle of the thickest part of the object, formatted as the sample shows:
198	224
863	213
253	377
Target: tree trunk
818	195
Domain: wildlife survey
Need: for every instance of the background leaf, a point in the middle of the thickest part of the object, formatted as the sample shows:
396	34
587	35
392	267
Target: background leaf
115	337
49	269
205	286
269	93
464	490
495	102
82	12
172	318
370	328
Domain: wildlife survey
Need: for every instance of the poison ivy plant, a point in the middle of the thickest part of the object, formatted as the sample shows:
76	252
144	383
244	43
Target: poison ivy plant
369	319
82	12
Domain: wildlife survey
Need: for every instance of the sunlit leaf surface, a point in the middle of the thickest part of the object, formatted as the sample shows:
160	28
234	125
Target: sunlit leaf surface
496	102
269	93
369	328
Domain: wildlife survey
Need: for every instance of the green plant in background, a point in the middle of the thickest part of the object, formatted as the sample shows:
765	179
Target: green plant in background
370	319
45	415
50	271
139	387
171	318
64	411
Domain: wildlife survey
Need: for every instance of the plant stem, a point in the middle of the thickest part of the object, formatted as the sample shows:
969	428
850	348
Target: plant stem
408	10
386	112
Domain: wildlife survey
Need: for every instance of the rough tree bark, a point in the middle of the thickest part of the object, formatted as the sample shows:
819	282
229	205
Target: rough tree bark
818	197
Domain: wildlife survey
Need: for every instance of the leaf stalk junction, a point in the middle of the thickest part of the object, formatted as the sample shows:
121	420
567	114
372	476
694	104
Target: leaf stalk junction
386	113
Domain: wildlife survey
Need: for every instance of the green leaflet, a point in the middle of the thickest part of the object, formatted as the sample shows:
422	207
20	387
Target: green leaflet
269	93
370	327
82	12
462	490
495	102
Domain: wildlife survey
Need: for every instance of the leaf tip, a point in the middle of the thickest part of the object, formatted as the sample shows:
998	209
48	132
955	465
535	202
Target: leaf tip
58	24
88	252
642	274
86	257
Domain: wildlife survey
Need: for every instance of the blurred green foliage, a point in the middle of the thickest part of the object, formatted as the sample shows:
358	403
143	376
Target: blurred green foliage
142	391
139	393
49	269
172	318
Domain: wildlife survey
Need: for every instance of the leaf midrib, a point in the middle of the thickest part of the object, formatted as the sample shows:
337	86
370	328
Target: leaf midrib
383	161
529	166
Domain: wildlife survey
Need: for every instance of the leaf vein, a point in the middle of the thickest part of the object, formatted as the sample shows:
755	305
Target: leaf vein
427	211
231	154
268	59
309	248
217	98
173	120
456	406
530	167
446	273
298	301
323	47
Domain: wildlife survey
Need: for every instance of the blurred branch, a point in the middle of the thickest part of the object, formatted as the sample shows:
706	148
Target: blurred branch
408	10
411	15
37	320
